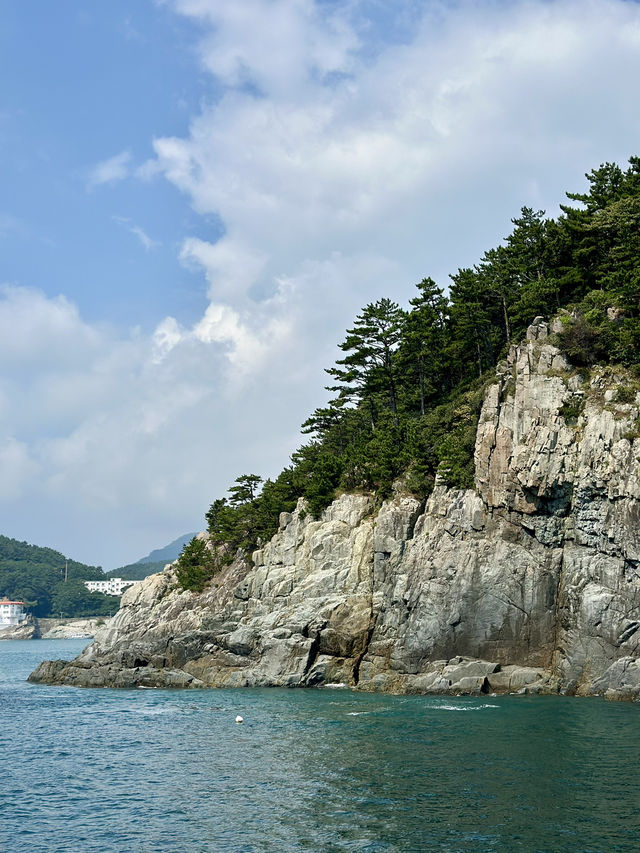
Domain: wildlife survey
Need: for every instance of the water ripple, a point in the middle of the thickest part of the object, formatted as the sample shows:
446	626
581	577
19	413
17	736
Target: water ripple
105	771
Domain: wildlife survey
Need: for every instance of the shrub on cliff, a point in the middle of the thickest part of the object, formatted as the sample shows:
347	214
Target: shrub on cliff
581	342
196	565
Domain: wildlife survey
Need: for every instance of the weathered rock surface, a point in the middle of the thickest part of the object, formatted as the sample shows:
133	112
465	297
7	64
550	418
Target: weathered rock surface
530	583
66	629
52	629
26	631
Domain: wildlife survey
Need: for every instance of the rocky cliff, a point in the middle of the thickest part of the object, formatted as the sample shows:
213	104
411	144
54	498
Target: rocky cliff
531	582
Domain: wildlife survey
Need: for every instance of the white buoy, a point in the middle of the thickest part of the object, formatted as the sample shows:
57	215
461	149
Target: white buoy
239	719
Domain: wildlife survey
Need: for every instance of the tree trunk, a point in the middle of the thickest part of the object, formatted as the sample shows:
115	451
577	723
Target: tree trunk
506	320
392	389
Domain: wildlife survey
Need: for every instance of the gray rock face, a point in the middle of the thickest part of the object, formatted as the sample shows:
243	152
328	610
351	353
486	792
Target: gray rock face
26	631
530	583
52	629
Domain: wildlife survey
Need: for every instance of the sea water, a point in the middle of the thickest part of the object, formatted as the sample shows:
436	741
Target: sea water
308	770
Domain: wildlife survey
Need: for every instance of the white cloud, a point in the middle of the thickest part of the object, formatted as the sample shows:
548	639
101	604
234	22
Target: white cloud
109	171
231	267
110	444
137	231
143	237
419	154
167	335
273	46
33	327
342	169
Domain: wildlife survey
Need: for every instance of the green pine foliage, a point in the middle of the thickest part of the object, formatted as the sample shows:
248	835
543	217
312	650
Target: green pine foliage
73	599
196	565
410	385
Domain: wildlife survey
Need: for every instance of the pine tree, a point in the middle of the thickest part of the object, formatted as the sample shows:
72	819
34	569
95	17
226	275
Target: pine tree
369	370
245	489
471	325
423	342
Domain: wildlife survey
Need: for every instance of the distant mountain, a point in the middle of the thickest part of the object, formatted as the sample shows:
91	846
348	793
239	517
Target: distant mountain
169	553
153	562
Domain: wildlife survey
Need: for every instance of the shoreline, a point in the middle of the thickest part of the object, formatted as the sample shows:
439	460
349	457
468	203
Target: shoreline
50	628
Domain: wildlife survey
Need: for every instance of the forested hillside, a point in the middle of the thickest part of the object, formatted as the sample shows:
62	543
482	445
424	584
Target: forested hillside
137	571
37	576
408	390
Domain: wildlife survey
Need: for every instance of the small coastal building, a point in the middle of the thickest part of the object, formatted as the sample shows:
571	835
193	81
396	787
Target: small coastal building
11	612
111	586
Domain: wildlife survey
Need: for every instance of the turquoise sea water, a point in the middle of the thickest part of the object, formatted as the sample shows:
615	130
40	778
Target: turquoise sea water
308	770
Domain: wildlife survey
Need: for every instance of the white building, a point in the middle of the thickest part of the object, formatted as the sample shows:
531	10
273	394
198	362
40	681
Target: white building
112	586
11	612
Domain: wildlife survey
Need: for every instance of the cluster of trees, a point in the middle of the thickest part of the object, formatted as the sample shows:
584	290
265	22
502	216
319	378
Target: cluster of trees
408	390
73	599
137	571
37	576
246	518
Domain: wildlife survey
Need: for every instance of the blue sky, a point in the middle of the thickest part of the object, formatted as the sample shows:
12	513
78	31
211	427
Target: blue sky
198	197
82	83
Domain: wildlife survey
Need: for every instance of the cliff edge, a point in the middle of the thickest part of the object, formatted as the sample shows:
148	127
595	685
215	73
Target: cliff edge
529	583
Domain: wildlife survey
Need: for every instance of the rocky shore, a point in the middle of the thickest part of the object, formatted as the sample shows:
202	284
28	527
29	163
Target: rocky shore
529	583
52	629
68	629
27	630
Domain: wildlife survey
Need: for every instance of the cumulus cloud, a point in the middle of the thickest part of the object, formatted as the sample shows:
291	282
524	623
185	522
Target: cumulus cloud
115	442
230	266
418	154
343	167
272	46
34	326
110	171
